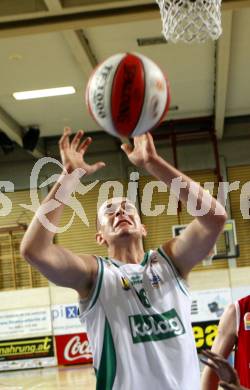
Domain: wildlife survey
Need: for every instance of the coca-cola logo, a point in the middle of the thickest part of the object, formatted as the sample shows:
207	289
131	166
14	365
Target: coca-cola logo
76	349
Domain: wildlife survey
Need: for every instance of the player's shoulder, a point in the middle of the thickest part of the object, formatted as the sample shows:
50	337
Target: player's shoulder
244	300
87	257
90	263
96	259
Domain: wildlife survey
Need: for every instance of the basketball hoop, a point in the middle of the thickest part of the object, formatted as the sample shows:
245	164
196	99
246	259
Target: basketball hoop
190	20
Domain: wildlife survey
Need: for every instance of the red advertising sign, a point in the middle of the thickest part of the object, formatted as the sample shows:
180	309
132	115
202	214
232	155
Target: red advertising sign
73	349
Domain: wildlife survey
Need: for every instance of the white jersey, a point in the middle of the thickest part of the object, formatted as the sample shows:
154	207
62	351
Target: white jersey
139	326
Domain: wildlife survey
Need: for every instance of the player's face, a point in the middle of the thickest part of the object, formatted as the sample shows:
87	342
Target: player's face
118	216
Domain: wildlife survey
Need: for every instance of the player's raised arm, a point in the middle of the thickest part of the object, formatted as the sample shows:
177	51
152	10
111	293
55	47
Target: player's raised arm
197	240
58	264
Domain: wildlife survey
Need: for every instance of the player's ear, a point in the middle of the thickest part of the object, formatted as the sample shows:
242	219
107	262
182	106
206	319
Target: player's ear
144	231
100	239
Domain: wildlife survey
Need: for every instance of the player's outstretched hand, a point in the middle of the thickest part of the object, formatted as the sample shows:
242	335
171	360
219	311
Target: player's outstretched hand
143	151
228	386
72	153
226	373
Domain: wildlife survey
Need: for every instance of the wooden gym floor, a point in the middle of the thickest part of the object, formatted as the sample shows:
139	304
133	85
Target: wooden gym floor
66	378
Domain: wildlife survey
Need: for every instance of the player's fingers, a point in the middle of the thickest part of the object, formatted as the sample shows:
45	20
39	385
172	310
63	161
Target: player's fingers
84	145
138	139
64	140
150	137
205	353
216	358
209	354
127	148
210	364
206	362
228	386
76	140
95	167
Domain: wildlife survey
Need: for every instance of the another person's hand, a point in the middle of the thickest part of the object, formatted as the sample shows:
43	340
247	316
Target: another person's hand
143	151
228	386
72	153
226	373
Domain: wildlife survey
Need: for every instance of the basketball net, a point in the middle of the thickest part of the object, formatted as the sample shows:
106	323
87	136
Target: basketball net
190	20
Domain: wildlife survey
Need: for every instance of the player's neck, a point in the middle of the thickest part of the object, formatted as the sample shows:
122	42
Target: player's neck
132	252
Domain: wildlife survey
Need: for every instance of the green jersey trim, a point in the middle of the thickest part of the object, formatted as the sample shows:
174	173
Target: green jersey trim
98	282
180	284
145	259
105	375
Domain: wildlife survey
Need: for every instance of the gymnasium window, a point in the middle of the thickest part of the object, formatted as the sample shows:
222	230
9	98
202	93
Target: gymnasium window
15	272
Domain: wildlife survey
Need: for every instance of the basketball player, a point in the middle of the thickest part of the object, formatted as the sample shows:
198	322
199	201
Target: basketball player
227	374
135	304
234	331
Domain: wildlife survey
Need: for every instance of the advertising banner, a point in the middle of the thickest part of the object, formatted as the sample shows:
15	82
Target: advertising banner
24	322
25	364
73	349
209	305
27	353
207	308
205	333
65	319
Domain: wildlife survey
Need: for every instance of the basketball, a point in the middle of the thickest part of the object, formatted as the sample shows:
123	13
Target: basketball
128	95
